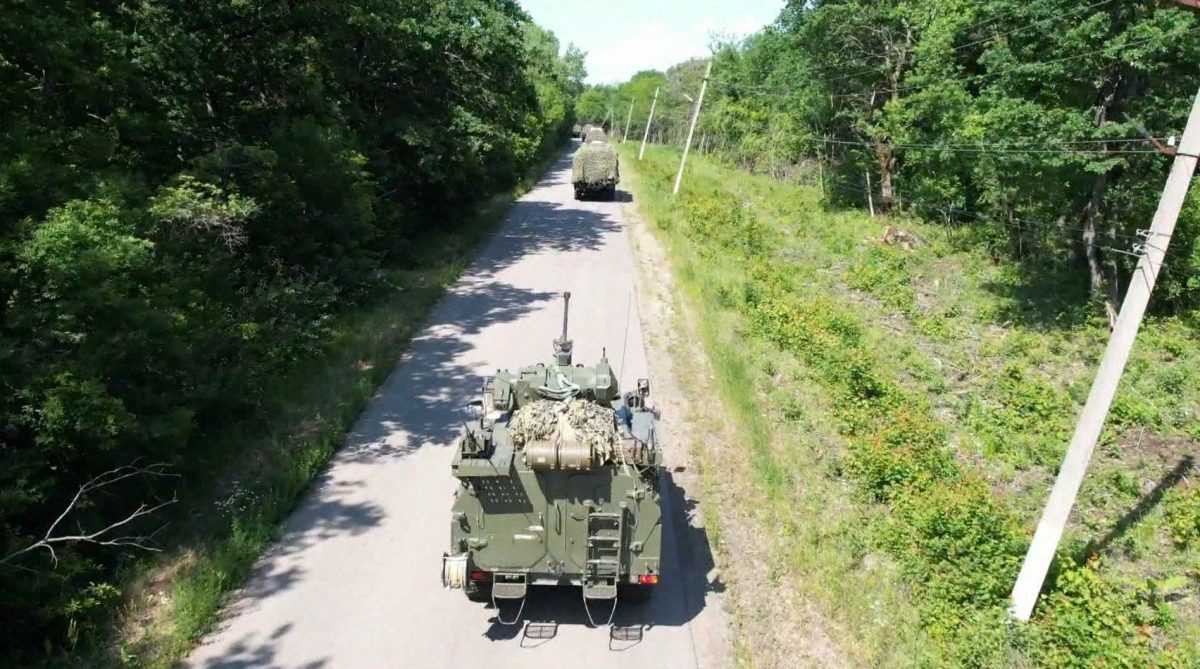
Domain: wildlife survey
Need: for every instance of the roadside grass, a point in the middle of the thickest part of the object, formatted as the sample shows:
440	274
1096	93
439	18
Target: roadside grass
906	411
790	440
251	480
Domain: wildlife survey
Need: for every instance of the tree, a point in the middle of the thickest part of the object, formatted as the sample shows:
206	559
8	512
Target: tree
190	195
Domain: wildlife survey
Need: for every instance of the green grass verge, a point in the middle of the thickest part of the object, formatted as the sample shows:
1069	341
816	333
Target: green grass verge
254	478
906	408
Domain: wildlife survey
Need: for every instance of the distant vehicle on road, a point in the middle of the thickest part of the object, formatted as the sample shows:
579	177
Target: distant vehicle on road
558	487
595	169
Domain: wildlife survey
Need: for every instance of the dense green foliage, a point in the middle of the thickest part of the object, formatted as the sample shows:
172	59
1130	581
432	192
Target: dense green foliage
190	195
1010	116
945	420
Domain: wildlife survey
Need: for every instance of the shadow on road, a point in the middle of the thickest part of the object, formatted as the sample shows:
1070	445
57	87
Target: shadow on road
423	401
245	653
326	515
680	597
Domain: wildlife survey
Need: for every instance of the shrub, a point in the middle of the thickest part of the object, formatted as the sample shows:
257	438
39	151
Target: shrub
1182	510
1084	621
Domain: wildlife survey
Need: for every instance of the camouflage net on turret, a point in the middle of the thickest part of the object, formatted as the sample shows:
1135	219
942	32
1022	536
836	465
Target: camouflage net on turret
595	163
585	421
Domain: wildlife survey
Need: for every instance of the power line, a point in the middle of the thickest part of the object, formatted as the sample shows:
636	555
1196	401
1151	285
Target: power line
1032	24
763	89
1103	52
993	36
984	148
950	210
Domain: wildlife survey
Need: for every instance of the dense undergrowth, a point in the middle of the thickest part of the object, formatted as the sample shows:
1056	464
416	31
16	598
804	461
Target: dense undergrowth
219	222
909	409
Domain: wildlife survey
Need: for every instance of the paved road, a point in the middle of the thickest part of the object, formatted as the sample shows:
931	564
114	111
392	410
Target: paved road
354	580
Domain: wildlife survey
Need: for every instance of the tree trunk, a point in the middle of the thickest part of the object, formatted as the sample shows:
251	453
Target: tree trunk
1092	220
1093	216
887	163
885	156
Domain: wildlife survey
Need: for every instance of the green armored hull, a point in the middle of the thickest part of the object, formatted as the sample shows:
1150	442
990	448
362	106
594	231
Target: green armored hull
558	486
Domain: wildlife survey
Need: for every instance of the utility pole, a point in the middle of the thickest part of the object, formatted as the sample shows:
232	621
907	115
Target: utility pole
628	118
692	129
649	120
1112	365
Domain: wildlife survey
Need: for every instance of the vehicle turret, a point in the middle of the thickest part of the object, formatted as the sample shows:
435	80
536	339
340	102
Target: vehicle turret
559	380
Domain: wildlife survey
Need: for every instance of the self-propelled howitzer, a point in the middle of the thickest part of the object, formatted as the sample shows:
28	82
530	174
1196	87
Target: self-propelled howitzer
558	485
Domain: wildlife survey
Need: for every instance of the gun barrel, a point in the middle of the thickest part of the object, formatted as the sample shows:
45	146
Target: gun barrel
566	311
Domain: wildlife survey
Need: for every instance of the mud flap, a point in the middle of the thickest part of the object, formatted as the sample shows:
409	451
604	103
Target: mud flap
509	586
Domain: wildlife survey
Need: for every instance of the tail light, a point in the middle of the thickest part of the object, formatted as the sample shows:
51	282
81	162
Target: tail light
648	579
481	576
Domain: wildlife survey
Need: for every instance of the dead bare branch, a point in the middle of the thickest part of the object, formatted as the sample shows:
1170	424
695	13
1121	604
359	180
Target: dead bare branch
102	536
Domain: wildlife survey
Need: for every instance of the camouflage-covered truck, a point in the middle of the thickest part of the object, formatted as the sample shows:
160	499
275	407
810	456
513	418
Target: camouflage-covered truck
595	169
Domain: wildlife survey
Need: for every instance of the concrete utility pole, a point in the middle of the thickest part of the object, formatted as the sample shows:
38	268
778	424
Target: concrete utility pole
649	120
1091	421
692	129
628	118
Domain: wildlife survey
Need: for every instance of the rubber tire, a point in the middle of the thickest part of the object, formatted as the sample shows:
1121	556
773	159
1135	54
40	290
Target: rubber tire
631	593
479	593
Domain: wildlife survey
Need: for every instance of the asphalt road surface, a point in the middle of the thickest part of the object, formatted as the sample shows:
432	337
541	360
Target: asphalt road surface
354	581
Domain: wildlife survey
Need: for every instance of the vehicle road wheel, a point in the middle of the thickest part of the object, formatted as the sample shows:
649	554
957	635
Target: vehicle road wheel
635	594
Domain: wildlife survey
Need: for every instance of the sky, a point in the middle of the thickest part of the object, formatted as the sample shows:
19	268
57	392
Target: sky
623	37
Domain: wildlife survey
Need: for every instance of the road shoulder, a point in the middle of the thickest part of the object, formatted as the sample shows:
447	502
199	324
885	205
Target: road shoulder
756	623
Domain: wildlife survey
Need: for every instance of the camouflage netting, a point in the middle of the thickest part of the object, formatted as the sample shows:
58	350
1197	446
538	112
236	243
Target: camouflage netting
595	163
581	420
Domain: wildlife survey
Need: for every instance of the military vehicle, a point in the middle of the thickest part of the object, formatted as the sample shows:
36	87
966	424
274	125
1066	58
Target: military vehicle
558	485
595	168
